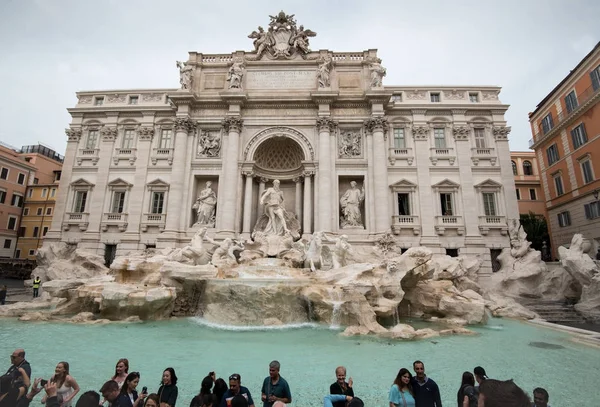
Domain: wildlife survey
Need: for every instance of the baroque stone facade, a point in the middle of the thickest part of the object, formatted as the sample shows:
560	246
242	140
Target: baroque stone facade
434	162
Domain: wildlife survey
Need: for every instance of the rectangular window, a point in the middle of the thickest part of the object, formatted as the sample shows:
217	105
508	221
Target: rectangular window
44	192
552	154
579	136
434	97
128	136
118	202
48	211
165	138
92	139
12	223
36	231
446	204
98	101
586	170
403	204
29	193
7	243
571	101
45	230
592	210
439	137
18	254
547	123
39	211
79	204
133	100
21	179
32	252
473	97
480	138
532	194
2	196
35	181
158	199
17	200
518	194
399	140
564	219
558	184
52	192
22	231
595	75
26	212
4	173
489	204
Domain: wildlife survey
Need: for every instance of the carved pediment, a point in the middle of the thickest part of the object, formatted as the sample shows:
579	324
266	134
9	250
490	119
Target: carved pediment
446	184
403	185
489	184
82	183
157	183
119	183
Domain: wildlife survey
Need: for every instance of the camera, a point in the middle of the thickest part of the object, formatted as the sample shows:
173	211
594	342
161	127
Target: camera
43	382
144	390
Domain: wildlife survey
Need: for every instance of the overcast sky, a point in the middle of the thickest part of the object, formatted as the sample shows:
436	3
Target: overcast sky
49	49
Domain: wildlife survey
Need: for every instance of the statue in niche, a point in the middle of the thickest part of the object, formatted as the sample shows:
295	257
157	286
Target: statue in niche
377	73
349	144
272	200
350	202
209	144
185	75
236	74
324	72
205	206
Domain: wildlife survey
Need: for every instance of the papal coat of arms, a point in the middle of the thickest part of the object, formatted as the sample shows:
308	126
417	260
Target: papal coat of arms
283	39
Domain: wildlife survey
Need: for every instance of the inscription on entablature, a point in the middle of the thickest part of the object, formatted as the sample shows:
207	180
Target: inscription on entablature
350	111
349	80
209	112
280	112
281	79
214	81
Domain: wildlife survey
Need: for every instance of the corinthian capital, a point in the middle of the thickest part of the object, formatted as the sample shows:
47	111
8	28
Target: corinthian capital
146	133
108	133
184	124
460	132
379	123
501	132
73	134
326	123
232	123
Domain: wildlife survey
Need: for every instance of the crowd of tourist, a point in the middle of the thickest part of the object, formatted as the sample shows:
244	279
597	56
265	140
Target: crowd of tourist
476	389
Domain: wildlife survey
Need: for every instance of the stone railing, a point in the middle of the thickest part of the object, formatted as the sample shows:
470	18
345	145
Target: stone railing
408	222
487	222
162	154
80	219
400	153
154	219
91	154
446	153
125	154
114	219
478	154
444	222
216	58
338	56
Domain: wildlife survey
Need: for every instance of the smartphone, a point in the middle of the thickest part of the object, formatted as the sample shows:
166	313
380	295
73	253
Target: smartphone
144	390
43	382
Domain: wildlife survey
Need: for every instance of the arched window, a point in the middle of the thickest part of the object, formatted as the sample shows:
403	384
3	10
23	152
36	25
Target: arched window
514	166
527	168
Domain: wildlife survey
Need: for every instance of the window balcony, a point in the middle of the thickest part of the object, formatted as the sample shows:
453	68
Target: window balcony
489	222
154	220
436	154
400	154
478	154
162	154
114	219
128	154
442	223
79	219
91	154
407	222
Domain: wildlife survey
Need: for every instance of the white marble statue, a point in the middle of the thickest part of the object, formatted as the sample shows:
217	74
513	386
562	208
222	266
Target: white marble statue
262	40
350	202
236	74
314	253
224	255
300	39
272	200
324	73
185	75
341	249
377	73
209	144
195	252
349	145
205	206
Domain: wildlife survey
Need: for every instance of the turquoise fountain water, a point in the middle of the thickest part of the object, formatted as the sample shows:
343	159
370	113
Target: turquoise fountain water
308	355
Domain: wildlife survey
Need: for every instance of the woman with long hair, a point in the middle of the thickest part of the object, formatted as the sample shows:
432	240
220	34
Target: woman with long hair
66	386
467	396
167	392
128	396
121	371
401	394
205	390
219	389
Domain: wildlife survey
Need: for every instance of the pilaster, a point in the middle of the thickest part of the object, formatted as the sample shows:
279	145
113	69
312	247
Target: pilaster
229	179
325	126
377	126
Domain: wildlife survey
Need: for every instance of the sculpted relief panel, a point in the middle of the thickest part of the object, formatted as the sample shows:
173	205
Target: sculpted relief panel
350	144
209	144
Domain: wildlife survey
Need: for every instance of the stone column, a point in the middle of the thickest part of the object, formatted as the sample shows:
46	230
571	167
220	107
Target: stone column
62	193
325	125
378	126
261	187
307	210
247	204
298	201
228	188
508	180
183	125
469	198
427	203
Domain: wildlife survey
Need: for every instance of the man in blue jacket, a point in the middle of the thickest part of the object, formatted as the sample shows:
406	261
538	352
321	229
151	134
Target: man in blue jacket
235	389
427	392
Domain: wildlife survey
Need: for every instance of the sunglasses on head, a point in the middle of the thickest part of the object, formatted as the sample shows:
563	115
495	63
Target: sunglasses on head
235	377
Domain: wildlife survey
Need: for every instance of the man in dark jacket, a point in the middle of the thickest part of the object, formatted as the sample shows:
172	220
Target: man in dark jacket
236	389
341	386
427	392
